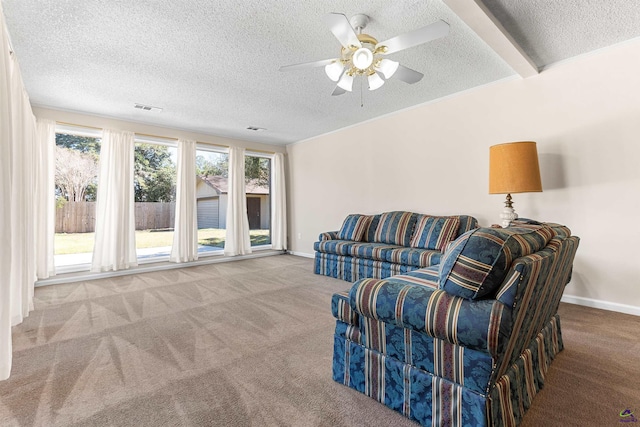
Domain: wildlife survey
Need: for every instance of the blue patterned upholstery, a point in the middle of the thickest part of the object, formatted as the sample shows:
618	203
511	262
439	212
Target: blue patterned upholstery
443	359
476	263
380	252
434	232
351	260
354	227
395	228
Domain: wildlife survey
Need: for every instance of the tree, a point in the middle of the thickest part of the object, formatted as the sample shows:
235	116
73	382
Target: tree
75	172
154	174
84	144
217	167
257	170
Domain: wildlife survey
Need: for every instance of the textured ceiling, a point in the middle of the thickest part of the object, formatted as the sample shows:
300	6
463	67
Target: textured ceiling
213	66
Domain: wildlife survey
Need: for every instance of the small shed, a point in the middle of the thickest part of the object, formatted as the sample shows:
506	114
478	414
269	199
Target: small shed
212	194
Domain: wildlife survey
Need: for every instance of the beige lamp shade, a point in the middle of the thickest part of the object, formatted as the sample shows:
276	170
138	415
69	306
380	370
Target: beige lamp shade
513	168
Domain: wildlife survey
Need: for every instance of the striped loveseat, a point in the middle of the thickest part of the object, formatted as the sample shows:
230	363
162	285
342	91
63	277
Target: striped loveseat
380	246
467	342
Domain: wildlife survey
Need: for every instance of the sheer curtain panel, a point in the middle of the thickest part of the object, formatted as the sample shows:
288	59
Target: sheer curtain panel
17	263
115	245
237	240
44	164
5	202
279	205
185	237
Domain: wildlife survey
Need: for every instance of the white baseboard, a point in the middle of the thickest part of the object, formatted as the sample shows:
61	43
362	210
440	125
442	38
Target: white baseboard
302	254
81	276
604	305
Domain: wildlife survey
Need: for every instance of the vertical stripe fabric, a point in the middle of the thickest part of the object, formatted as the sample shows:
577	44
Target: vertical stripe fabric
441	359
434	232
354	227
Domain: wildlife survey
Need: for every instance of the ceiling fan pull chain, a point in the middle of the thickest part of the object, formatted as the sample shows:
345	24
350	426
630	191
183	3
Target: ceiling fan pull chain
361	96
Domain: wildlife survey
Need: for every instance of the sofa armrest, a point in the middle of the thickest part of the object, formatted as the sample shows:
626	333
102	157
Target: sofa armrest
329	235
347	320
341	309
482	325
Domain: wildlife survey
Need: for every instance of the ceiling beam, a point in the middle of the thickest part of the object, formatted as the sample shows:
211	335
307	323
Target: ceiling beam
488	28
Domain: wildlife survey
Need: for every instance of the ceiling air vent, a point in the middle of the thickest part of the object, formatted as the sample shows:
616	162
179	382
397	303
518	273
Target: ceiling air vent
147	108
255	128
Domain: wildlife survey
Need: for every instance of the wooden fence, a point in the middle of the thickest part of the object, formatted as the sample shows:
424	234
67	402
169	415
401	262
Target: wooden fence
80	217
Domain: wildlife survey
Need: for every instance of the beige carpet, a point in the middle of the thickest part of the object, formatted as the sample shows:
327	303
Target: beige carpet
250	343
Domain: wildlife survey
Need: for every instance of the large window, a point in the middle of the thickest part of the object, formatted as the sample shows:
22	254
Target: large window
155	178
212	168
155	175
76	185
257	171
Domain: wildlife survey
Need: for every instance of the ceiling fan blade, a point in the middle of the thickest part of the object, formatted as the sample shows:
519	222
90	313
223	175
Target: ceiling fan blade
338	91
342	29
413	38
408	75
306	65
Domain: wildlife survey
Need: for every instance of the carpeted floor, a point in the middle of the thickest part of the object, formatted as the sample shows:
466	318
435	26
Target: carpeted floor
250	343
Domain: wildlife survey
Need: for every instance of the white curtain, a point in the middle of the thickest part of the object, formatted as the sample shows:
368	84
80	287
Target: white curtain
17	263
44	169
237	239
115	245
185	237
278	204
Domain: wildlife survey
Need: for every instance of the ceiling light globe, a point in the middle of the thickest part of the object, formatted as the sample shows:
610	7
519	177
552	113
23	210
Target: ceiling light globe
362	58
334	70
375	81
388	67
346	82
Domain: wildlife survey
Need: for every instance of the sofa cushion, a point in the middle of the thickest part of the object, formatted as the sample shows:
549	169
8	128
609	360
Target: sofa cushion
434	232
475	265
466	223
380	252
354	227
395	228
370	234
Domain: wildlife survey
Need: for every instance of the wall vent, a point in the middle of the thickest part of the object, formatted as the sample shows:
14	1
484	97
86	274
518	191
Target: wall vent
255	128
147	108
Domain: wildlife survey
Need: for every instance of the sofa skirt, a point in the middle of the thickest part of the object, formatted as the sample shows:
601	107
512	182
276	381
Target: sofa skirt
433	401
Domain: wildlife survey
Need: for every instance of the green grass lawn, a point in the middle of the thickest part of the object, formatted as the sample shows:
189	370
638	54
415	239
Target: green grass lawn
75	243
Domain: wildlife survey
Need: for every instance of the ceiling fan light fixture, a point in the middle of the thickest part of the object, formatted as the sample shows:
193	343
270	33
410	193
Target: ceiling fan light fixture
334	70
346	81
362	58
375	81
387	67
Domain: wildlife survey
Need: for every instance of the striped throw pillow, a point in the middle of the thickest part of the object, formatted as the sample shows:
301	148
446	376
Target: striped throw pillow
476	263
395	228
434	232
354	227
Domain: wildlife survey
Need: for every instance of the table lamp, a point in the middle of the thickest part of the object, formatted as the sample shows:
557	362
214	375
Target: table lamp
513	168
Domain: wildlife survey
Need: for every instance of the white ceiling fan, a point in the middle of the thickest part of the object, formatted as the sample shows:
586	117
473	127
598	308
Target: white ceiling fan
362	55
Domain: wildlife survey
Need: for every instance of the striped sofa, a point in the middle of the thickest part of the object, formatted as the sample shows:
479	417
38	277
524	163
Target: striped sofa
467	342
380	246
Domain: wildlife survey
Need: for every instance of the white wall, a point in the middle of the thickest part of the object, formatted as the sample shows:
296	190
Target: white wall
584	115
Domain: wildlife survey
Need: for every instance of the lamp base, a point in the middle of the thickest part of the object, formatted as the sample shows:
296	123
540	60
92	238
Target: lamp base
508	214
